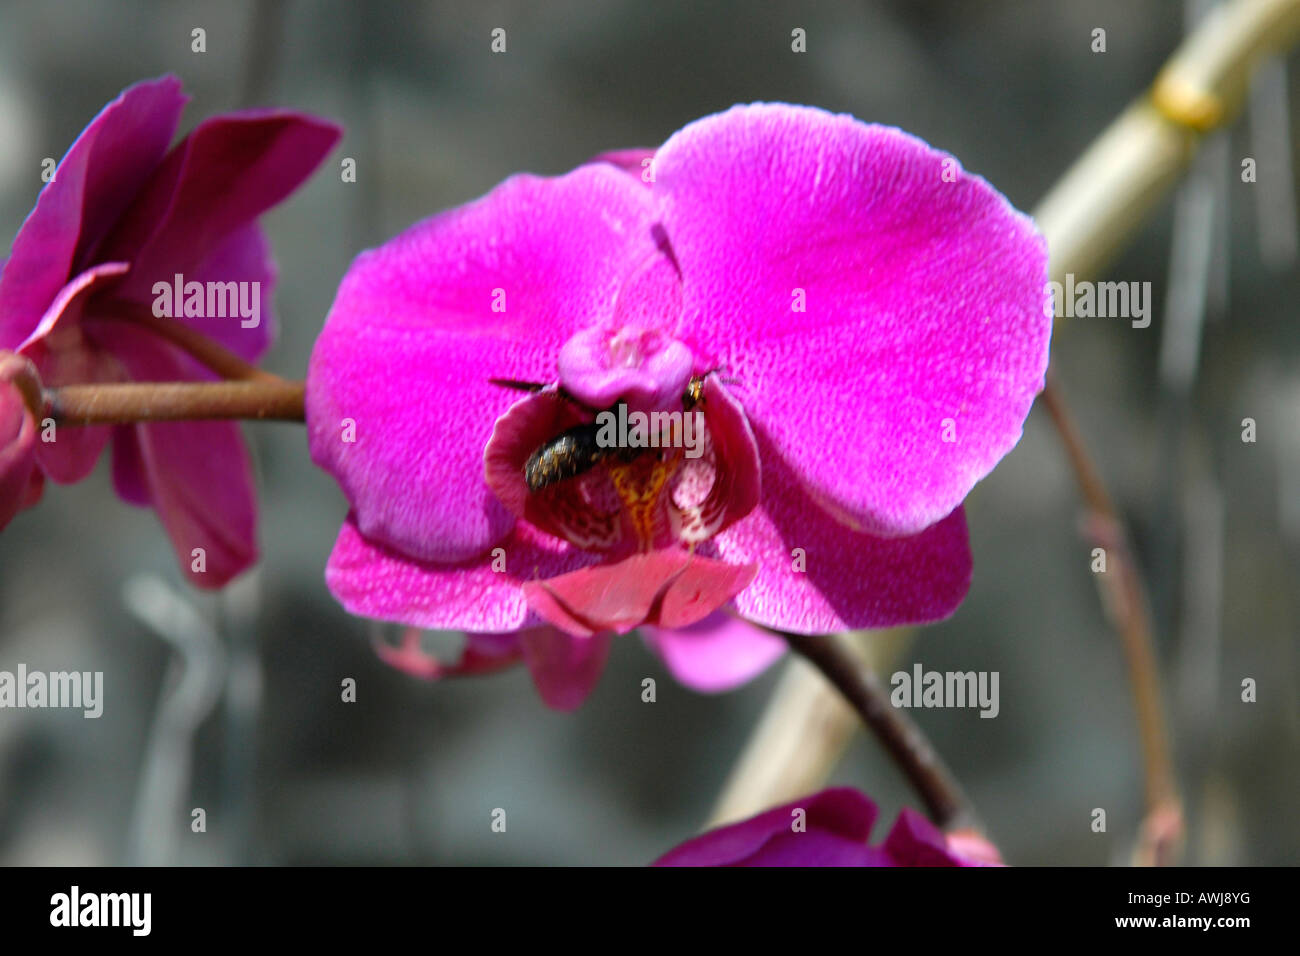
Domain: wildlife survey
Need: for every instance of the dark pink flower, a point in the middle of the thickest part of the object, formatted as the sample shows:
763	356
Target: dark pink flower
20	480
122	213
859	321
830	828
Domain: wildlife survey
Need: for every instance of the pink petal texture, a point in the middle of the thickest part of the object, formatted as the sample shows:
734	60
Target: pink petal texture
715	654
848	580
106	166
372	580
869	307
412	340
564	668
670	587
835	825
704	586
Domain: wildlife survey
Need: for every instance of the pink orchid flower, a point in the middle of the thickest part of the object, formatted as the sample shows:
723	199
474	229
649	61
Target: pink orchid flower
831	828
859	323
122	213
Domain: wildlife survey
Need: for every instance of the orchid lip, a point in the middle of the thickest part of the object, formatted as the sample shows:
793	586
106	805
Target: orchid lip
546	465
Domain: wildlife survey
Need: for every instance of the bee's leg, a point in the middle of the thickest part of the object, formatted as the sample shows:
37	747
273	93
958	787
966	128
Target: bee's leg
534	387
517	385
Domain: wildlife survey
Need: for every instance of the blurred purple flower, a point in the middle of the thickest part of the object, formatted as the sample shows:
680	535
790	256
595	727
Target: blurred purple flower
830	828
122	213
877	318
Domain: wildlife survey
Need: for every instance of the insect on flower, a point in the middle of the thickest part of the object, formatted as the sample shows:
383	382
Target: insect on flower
577	450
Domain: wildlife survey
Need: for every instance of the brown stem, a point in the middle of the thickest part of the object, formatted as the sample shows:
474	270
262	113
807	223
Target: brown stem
21	373
174	401
200	347
900	736
1125	600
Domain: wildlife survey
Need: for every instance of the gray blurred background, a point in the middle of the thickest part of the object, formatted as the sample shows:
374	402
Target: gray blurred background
411	772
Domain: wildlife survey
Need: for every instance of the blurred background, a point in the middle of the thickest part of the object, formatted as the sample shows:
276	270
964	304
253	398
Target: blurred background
232	703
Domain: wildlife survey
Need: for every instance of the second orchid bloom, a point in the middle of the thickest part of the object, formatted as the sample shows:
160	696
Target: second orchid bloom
124	213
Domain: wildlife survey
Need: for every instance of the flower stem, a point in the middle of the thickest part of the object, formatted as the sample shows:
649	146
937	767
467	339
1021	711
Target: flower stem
124	404
1127	609
19	371
900	736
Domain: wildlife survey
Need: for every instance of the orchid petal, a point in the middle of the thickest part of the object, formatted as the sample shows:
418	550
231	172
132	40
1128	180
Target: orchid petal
883	309
715	654
412	341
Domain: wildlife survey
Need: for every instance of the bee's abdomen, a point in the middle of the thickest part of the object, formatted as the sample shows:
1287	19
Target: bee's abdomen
565	456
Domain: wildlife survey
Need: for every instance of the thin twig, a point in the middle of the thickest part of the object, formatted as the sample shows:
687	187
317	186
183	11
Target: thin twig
124	404
898	734
1127	608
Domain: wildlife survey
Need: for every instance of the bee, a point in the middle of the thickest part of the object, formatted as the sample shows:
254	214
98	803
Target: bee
575	450
569	454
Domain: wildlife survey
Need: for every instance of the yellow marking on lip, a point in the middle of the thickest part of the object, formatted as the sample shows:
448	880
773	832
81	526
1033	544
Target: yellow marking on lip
639	484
